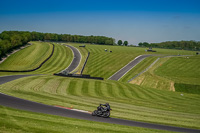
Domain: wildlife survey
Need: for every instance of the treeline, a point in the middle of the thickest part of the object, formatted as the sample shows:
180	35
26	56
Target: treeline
10	40
186	45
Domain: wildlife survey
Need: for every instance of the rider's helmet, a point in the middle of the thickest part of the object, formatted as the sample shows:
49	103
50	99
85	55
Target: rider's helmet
107	104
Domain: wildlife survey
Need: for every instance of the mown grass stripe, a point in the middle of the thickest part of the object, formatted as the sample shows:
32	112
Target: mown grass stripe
98	88
110	90
85	86
79	87
121	91
71	90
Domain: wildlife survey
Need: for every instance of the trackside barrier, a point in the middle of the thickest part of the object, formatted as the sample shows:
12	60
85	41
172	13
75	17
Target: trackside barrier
34	68
78	76
85	62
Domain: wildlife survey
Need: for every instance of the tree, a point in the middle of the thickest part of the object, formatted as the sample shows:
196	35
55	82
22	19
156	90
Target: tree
119	42
144	44
125	43
109	42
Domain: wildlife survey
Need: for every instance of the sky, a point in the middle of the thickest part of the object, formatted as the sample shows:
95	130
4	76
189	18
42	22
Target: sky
131	20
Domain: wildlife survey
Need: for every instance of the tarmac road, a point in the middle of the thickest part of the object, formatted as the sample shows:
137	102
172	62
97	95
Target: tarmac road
77	58
119	74
22	104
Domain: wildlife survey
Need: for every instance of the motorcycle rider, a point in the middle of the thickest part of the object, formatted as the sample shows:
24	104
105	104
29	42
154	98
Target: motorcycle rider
107	107
103	110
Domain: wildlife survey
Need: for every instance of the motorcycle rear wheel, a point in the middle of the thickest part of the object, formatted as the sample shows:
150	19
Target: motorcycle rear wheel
106	114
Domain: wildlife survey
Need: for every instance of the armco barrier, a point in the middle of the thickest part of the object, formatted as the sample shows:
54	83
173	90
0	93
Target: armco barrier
34	68
85	62
79	76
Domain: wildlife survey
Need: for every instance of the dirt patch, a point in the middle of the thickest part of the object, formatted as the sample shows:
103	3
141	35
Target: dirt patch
138	80
172	88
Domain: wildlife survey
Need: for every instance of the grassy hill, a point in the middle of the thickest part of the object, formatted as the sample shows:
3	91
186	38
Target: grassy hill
184	71
105	64
138	101
127	101
32	56
28	58
173	73
181	70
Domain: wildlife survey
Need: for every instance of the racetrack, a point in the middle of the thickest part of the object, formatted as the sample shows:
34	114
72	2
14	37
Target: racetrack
119	74
76	60
18	103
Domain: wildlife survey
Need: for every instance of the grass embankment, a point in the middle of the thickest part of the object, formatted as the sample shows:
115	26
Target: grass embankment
127	101
39	51
181	69
28	58
105	64
17	121
172	70
150	80
60	60
184	71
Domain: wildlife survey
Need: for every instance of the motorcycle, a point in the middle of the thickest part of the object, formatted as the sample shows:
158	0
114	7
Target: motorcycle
101	112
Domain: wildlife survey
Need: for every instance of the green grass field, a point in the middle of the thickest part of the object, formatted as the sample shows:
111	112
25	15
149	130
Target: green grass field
181	70
17	121
150	80
28	58
105	64
138	101
127	101
60	60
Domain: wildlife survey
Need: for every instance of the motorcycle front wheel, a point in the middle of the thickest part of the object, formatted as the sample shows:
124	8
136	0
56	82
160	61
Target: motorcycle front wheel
94	113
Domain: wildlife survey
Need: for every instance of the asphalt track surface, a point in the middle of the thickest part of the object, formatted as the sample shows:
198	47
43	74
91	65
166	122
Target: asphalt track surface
119	74
77	58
